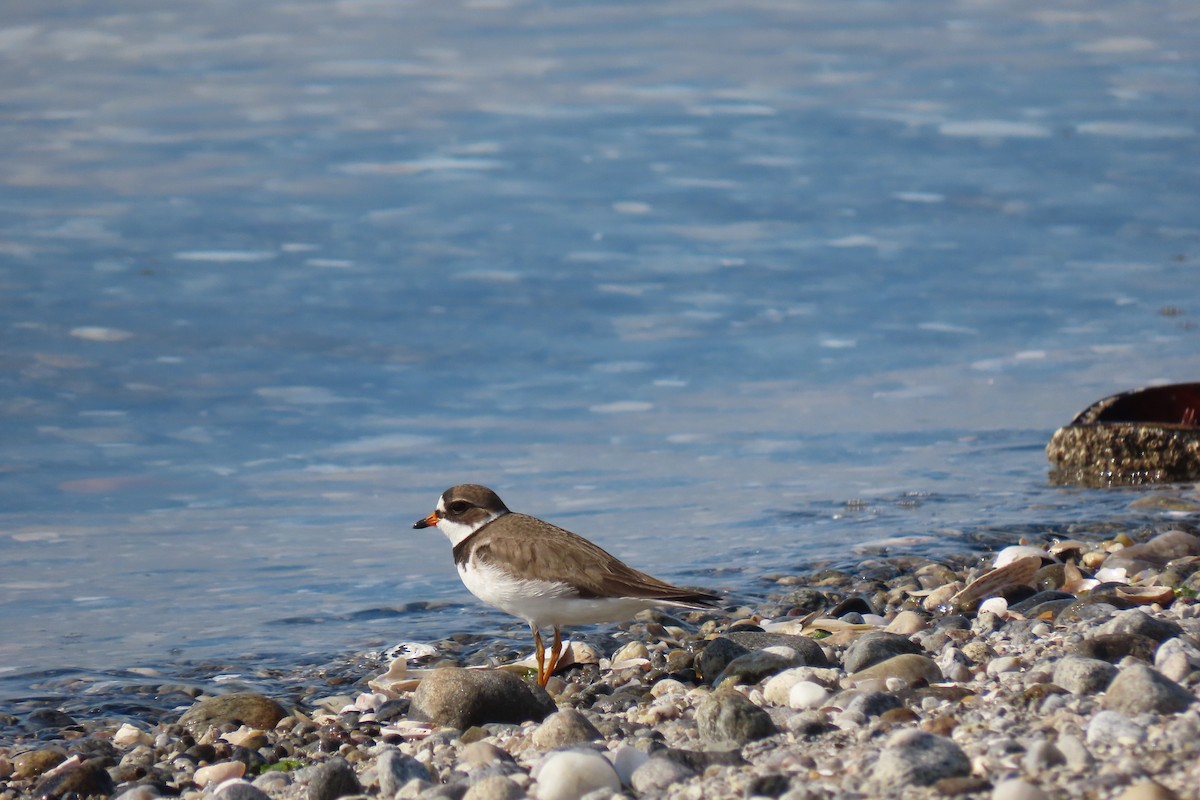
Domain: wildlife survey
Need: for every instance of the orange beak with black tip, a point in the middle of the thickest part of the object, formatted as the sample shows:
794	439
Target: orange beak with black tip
427	522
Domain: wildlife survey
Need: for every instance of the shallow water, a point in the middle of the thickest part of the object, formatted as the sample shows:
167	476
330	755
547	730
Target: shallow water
731	288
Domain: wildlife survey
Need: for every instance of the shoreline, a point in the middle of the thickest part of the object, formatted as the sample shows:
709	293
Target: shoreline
918	683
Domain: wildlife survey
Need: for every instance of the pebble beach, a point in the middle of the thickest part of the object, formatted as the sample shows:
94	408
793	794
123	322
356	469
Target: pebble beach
1064	668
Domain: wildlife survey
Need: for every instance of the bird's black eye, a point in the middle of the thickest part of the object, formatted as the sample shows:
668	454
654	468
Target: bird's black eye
459	507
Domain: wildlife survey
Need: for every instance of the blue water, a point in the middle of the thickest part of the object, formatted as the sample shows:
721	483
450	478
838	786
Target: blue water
731	288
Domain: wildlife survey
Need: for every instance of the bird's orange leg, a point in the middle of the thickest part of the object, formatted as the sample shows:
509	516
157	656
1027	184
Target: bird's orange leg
540	653
555	652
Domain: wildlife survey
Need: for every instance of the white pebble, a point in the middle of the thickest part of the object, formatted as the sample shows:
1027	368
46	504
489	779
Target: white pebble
626	760
1003	664
806	694
218	773
570	774
128	735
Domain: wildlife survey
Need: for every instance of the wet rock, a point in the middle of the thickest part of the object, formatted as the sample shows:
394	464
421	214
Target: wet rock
494	787
395	769
233	709
75	777
1026	606
218	773
657	774
333	779
873	648
44	718
1080	675
917	758
909	668
459	698
728	717
1139	689
564	728
570	774
1155	552
1135	621
1112	647
33	763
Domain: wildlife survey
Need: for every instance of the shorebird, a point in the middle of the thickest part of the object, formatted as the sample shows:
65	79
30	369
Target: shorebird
542	573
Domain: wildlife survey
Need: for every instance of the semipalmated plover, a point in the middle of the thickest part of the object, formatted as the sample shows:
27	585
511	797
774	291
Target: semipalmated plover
542	573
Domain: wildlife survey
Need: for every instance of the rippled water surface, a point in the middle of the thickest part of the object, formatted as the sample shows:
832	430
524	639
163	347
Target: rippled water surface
732	288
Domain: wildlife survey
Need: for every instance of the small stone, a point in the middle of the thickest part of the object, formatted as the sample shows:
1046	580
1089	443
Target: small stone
395	769
73	777
752	668
254	710
805	648
1041	756
1139	688
807	694
873	704
728	717
625	760
1139	622
1017	789
218	773
657	774
716	656
917	758
1112	647
1176	659
630	652
1003	664
874	648
570	774
494	787
907	623
1075	751
235	790
459	698
33	763
564	728
333	779
909	668
1114	728
808	724
777	689
1147	790
1083	675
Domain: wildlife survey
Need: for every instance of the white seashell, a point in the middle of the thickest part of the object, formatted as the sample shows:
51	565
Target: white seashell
1011	554
1112	575
994	605
411	651
394	681
408	729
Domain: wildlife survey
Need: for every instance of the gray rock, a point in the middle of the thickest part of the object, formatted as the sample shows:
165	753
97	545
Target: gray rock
1112	647
716	656
494	787
657	774
459	698
727	717
873	648
1080	675
1139	622
753	667
916	758
1138	689
873	704
805	647
1041	756
254	710
1177	659
241	790
909	667
1114	728
1075	751
564	728
395	769
333	779
83	779
1156	552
